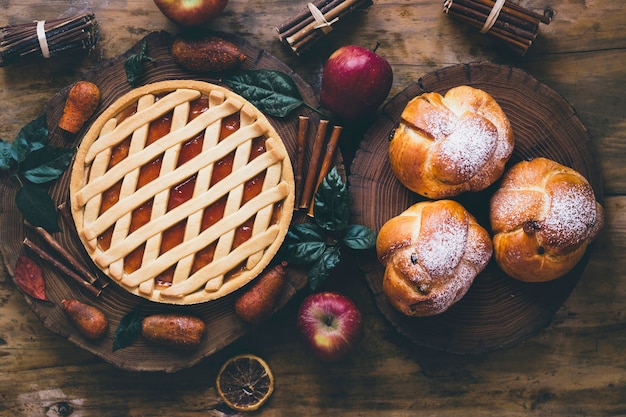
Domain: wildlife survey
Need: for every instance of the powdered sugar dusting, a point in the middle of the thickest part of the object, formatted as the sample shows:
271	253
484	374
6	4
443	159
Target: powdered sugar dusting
437	124
572	213
512	208
441	251
468	148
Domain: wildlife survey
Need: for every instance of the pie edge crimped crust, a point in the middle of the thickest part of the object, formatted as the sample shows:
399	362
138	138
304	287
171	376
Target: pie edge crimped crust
275	234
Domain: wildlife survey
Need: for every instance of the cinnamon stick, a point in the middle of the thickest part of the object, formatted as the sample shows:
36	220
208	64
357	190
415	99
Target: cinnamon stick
59	266
512	19
65	254
514	25
303	30
326	163
476	19
316	155
303	18
61	35
66	216
342	7
300	151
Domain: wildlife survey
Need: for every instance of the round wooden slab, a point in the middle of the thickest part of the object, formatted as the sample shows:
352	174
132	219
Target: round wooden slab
498	311
223	326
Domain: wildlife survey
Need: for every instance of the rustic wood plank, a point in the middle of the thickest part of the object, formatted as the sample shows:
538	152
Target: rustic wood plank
573	367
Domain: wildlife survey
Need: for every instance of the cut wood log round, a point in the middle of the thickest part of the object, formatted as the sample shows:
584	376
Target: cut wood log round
223	326
498	311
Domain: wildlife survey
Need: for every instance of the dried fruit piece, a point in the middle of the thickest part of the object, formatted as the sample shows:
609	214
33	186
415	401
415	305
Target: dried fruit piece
81	103
29	278
258	301
245	382
206	53
90	322
179	331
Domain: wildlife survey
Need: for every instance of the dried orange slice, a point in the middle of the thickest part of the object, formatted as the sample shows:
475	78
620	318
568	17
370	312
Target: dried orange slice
245	382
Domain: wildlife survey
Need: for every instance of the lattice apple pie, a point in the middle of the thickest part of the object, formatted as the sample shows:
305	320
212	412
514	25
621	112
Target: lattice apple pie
182	191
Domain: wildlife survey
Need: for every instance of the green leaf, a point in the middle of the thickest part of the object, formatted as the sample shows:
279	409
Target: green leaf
46	164
134	65
304	252
332	203
37	207
6	160
359	237
31	137
320	271
273	92
303	244
305	232
128	330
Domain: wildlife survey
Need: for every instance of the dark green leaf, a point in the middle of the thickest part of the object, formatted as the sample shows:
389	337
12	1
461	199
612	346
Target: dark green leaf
6	160
46	164
128	329
31	137
359	237
134	65
332	203
320	270
304	252
37	207
273	92
305	232
303	244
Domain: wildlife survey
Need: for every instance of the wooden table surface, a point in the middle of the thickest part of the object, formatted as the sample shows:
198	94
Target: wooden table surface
574	367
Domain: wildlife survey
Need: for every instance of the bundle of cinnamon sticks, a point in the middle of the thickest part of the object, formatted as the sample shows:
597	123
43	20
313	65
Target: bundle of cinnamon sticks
507	21
48	38
308	177
61	259
304	29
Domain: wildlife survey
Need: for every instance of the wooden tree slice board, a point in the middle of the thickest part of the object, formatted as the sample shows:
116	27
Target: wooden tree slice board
498	311
223	326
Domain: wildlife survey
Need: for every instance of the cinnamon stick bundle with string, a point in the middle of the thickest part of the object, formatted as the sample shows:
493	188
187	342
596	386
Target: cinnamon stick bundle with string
48	38
307	27
502	19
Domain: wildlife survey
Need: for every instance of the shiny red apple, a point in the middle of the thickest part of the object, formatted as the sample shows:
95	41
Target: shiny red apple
190	13
330	324
355	82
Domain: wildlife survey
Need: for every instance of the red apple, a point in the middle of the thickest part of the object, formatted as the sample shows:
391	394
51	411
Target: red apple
190	13
330	324
355	81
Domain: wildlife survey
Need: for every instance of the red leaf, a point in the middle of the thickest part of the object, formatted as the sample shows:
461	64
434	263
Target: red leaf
29	278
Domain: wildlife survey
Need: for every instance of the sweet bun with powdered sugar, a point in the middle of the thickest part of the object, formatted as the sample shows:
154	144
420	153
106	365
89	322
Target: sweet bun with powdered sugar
446	145
431	252
543	217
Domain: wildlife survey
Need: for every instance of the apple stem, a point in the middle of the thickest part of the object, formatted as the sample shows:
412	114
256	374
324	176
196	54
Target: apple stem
376	47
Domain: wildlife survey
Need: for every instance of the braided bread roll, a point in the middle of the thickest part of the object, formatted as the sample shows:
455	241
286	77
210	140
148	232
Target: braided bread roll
543	216
432	253
447	145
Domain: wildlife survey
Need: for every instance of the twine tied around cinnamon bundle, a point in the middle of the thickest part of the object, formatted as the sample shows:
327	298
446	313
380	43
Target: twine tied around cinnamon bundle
502	19
311	24
48	38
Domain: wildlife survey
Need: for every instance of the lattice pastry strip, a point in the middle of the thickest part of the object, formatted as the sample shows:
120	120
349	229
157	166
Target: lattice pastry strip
268	208
129	185
92	207
225	242
194	221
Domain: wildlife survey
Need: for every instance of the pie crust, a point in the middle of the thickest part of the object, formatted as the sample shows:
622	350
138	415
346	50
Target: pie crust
182	191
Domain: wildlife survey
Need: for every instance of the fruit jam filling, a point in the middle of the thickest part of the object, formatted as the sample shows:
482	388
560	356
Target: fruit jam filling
182	192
